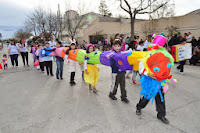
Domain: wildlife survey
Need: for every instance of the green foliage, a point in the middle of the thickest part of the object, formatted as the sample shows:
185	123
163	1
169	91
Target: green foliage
171	30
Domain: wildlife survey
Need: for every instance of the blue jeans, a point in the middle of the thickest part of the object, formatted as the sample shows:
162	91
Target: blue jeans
59	69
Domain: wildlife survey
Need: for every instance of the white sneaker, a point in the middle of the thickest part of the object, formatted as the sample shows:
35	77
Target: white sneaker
181	73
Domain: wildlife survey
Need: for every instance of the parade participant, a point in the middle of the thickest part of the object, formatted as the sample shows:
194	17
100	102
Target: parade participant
5	61
91	74
72	64
59	63
180	68
41	58
24	51
147	42
118	76
13	52
48	60
155	70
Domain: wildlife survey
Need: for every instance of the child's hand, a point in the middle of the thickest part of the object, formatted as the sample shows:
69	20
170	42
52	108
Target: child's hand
68	61
98	69
119	70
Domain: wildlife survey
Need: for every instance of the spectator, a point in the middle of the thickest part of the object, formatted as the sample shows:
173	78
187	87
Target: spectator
196	57
13	52
198	42
52	43
132	44
194	42
24	51
127	40
189	37
174	40
147	42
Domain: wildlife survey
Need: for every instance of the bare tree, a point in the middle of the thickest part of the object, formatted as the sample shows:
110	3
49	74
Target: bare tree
22	33
75	20
135	7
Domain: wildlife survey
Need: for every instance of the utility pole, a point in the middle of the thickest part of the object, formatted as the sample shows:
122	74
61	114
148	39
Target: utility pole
60	23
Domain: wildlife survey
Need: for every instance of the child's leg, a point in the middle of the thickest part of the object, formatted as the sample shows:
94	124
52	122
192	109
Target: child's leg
58	68
134	75
115	83
142	103
46	65
182	63
160	106
41	66
122	82
61	68
128	73
51	67
72	76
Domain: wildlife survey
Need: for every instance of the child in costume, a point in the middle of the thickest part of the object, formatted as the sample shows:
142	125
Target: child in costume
118	76
48	60
5	61
72	63
91	74
155	70
180	68
41	58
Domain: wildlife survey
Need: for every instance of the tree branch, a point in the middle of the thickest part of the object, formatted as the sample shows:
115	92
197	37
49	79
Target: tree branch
153	9
127	5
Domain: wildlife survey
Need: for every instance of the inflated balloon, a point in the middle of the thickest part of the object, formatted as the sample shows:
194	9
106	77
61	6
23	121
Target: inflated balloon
36	63
81	56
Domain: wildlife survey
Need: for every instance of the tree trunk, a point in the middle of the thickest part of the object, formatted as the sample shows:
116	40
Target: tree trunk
132	17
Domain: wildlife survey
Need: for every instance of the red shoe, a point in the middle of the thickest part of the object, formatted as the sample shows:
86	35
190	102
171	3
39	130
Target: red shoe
134	82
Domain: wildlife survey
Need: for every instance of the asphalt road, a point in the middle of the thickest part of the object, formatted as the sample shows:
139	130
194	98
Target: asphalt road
31	102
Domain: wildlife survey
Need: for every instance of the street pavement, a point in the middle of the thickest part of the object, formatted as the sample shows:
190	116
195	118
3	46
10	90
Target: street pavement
32	102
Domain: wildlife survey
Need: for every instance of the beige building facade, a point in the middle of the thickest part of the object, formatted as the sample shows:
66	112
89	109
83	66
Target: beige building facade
109	26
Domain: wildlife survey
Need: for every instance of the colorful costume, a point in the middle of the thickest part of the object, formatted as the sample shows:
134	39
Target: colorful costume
93	73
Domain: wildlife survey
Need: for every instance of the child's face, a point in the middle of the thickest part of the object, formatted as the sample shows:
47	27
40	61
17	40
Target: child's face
91	49
117	47
73	47
142	44
184	42
47	45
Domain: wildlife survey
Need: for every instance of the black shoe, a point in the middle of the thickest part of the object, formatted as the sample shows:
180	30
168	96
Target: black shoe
138	112
72	83
125	100
112	97
52	75
57	77
47	74
164	120
61	78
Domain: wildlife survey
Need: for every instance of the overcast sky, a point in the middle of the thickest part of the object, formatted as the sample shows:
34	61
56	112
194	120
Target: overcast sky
14	12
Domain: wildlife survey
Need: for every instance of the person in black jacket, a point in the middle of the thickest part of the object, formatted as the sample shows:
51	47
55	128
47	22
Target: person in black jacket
118	76
174	40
